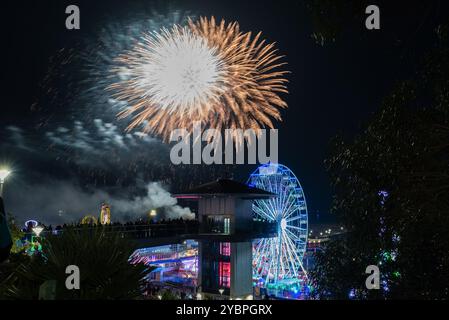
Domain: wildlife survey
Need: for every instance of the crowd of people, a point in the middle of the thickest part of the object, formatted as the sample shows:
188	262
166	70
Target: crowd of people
163	291
134	229
145	228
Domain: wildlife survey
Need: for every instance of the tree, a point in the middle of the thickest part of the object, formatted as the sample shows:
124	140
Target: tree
331	19
16	235
391	191
168	295
105	272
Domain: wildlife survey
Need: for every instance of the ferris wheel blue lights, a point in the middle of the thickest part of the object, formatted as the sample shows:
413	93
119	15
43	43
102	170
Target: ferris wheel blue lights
280	258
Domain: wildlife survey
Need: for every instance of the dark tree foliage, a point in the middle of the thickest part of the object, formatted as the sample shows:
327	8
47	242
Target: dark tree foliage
331	19
105	272
391	191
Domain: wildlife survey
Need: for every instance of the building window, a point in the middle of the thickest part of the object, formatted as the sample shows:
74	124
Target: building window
224	280
227	226
218	224
225	249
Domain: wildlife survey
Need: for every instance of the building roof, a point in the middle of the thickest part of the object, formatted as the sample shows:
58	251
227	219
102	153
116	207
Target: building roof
225	187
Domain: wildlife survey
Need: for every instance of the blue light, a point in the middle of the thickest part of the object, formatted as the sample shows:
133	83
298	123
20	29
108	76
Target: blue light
352	294
289	211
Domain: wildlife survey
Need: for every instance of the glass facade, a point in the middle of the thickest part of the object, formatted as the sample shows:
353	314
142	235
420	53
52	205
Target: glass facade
225	249
216	267
217	224
224	277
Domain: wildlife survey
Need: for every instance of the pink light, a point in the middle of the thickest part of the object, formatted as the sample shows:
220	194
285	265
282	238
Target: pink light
188	197
225	249
224	275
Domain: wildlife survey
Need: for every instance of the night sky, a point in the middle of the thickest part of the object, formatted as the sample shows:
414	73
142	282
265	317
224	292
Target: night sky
334	89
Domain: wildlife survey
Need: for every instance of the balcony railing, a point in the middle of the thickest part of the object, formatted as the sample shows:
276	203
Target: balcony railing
148	231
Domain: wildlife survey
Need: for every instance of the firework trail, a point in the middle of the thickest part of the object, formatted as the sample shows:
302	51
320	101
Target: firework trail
205	72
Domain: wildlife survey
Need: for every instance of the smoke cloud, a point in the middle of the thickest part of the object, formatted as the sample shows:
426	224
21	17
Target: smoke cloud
156	198
60	202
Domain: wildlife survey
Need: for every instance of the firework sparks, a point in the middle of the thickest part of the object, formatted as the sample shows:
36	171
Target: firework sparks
86	139
205	72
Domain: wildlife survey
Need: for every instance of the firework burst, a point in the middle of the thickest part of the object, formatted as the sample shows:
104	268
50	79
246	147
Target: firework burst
205	72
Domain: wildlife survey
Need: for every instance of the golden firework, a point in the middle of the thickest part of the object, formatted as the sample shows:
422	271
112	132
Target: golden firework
205	72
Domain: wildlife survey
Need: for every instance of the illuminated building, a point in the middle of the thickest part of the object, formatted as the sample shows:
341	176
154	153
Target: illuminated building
105	214
225	239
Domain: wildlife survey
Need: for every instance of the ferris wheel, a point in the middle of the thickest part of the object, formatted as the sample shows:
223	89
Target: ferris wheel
280	258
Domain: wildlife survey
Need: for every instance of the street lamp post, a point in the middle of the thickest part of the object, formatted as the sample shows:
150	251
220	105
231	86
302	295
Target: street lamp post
4	173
